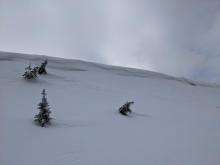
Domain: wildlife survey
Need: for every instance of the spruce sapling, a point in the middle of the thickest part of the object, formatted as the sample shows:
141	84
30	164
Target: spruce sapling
44	115
30	73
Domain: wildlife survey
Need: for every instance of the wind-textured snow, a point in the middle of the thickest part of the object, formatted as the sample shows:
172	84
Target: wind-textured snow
175	121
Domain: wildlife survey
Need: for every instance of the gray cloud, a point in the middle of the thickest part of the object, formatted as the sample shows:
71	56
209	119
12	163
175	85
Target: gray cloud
177	37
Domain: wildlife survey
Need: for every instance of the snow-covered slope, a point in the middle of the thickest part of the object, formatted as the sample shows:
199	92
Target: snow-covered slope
175	121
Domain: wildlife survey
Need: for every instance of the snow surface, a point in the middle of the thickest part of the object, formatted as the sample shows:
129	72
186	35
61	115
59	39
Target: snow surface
175	121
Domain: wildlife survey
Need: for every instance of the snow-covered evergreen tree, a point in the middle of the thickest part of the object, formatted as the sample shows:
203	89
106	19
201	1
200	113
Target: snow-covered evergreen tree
44	115
35	71
125	109
30	73
42	68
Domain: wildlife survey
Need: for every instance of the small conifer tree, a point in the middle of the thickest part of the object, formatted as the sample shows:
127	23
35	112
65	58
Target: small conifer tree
125	109
35	71
42	68
44	115
30	73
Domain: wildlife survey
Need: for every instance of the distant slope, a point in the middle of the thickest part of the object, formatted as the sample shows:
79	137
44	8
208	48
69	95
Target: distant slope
175	121
68	64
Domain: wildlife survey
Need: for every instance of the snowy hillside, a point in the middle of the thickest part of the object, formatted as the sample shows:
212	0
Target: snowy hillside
175	121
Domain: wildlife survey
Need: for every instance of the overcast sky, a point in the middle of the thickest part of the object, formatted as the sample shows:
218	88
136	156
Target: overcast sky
176	37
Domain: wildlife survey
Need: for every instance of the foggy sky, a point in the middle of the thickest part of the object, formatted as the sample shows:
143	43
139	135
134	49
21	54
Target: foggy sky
176	37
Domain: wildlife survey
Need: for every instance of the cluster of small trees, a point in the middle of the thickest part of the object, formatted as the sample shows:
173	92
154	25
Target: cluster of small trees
43	117
31	73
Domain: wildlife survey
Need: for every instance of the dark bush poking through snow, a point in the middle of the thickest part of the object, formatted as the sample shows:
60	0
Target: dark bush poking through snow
42	68
43	117
32	73
125	109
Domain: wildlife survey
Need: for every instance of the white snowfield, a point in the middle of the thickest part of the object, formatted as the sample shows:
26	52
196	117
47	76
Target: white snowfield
175	121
